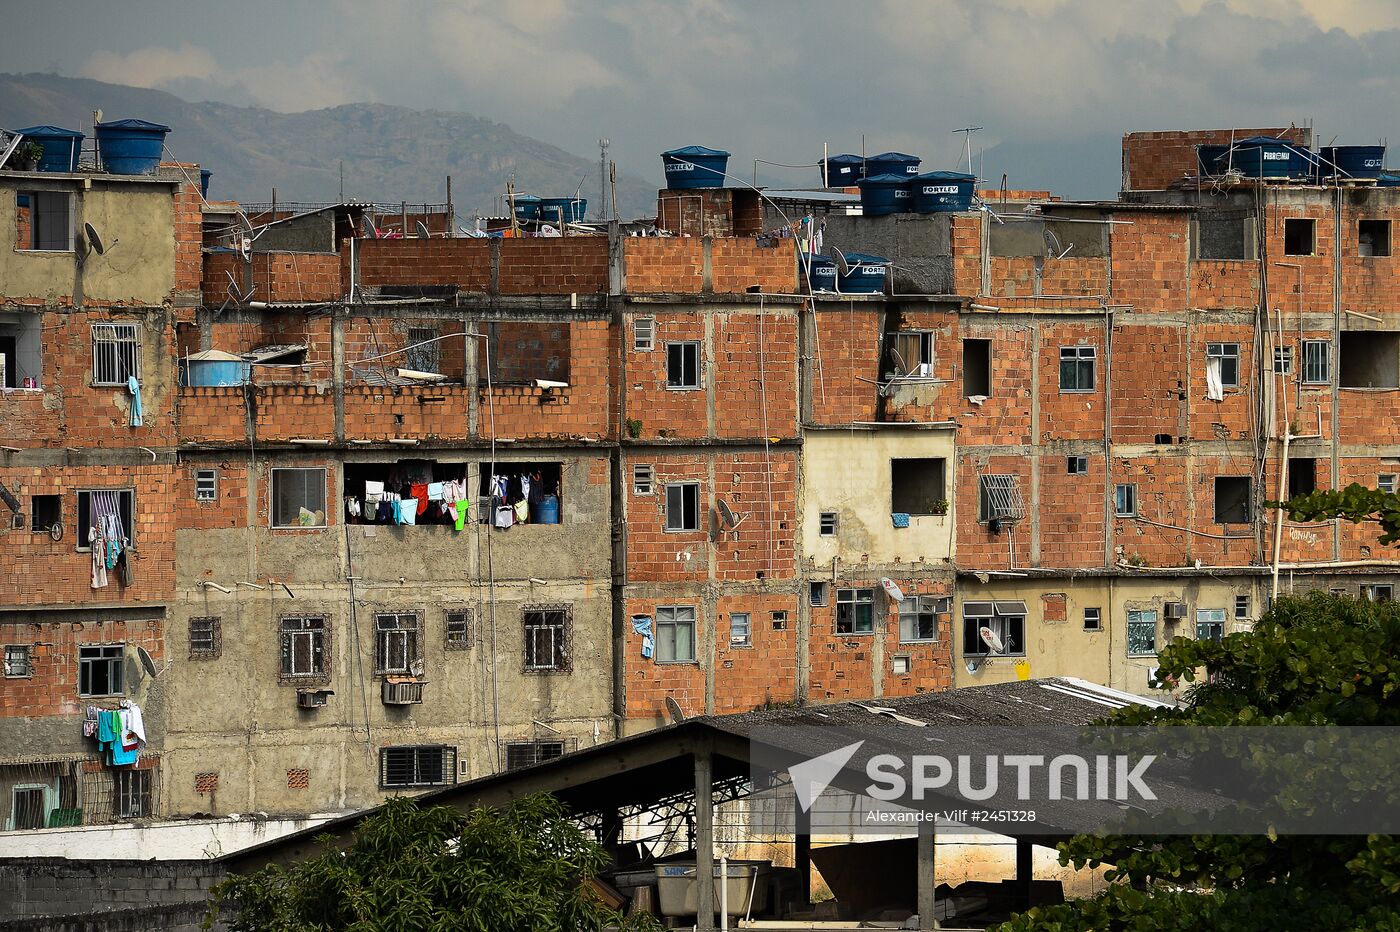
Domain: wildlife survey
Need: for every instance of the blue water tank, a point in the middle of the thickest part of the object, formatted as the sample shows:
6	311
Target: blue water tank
1352	161
942	192
1389	180
1208	158
892	163
1260	157
548	510
820	269
694	167
842	171
527	207
204	175
562	209
130	147
864	274
61	147
885	194
214	369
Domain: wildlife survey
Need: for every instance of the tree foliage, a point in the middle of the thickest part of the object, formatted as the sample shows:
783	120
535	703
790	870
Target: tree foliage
435	868
1356	503
1313	660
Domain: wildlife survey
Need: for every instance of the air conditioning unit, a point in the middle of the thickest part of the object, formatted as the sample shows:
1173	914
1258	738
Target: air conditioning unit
313	698
406	692
1174	610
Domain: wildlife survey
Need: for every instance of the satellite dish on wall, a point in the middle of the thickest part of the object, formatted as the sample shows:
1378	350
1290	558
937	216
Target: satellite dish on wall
673	709
842	266
423	230
990	638
147	662
728	519
892	588
94	240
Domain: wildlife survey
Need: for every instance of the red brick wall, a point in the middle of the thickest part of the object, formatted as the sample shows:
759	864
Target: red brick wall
566	265
189	233
462	262
276	276
739	264
665	265
53	655
229	508
1150	260
1153	161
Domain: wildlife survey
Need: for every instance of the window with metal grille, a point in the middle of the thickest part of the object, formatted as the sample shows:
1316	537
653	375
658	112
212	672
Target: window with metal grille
125	503
29	808
1142	633
132	796
1283	360
828	523
527	753
1093	619
913	354
1210	624
1076	465
425	350
1005	618
206	485
1228	355
304	653
918	617
683	365
1241	606
818	592
100	669
397	642
417	765
116	354
999	499
299	497
1077	368
206	638
50	220
458	629
1125	500
644	334
1317	362
675	634
740	629
17	661
683	506
546	639
643	479
855	611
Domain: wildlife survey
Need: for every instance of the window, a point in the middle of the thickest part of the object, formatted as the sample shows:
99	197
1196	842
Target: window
546	639
21	350
1299	237
299	497
132	794
1241	606
828	524
1093	619
1228	355
417	765
304	651
17	661
918	617
206	485
818	592
1005	618
1223	234
458	629
397	643
977	368
1210	624
425	352
1283	360
50	220
1232	495
1378	592
675	634
779	620
643	479
118	501
1317	362
1076	465
683	365
899	665
45	511
116	354
1125	500
1373	237
1142	633
740	629
1077	368
1369	359
1302	476
29	807
1387	482
527	753
100	669
206	638
917	488
913	354
683	506
855	611
998	498
644	334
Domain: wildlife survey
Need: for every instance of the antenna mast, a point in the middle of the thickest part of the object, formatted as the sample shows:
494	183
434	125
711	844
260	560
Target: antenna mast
967	132
602	179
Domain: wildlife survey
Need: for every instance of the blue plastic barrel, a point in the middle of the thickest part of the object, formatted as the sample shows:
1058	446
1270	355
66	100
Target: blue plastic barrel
130	147
562	209
842	171
893	163
548	510
527	207
215	373
1352	161
942	192
885	194
695	167
61	147
864	274
1260	157
204	174
821	269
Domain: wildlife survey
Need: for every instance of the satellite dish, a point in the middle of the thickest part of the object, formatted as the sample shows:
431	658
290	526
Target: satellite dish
371	231
147	661
842	266
892	589
990	638
94	239
423	230
673	709
727	517
56	530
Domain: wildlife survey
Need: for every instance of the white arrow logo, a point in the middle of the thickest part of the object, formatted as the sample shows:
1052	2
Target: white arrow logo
811	777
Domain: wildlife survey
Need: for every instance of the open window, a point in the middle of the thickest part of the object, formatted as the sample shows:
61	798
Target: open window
371	489
912	354
1299	237
1232	494
532	490
44	221
683	506
21	357
917	487
98	505
1005	618
1369	359
1302	476
977	368
299	497
1373	237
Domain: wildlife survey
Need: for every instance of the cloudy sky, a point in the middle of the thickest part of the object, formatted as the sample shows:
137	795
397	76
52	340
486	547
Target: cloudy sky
763	78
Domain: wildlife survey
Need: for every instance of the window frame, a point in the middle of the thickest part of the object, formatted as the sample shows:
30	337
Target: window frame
1315	370
446	765
1078	356
1312	235
273	506
639	344
672	617
857	597
1283	360
1388	481
214	640
1210	617
1140	621
36	227
555	746
1226	352
643	479
1120	510
923	367
925	606
82	516
113	656
1076	465
1388	228
746	639
679	384
825	520
398	642
458	643
124	334
211	478
18	653
1097	618
818	593
133	793
1242	607
561	638
975	617
318	639
680	526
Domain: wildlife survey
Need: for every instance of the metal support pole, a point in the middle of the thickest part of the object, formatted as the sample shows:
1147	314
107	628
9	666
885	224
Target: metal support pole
927	881
704	843
802	853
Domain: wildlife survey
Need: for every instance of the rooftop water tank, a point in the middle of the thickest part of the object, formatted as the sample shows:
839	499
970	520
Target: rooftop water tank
842	171
942	192
527	206
1389	180
892	163
695	167
885	194
821	271
1260	157
61	147
204	175
214	369
130	147
864	274
562	209
1352	161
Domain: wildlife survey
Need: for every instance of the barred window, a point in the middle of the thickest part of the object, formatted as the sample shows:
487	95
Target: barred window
458	625
116	354
527	753
1317	362
417	765
206	638
304	651
397	645
546	639
133	796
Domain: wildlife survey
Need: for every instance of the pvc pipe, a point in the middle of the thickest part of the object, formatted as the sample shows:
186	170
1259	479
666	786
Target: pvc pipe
723	893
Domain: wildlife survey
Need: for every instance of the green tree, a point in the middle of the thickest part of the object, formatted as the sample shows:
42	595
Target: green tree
435	868
1356	503
1313	660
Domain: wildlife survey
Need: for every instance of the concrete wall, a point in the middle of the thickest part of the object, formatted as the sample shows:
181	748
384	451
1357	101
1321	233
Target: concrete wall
104	895
191	840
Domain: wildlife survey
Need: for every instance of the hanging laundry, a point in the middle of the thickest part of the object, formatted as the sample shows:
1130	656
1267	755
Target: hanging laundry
460	510
505	516
408	510
522	512
1215	388
134	387
99	558
641	624
352	506
419	491
435	491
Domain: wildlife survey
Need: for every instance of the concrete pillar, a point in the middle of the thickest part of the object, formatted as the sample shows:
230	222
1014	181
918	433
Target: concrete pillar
704	842
927	880
802	852
1025	871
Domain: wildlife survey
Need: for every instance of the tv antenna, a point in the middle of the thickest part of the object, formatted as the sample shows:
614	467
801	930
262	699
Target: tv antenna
967	132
